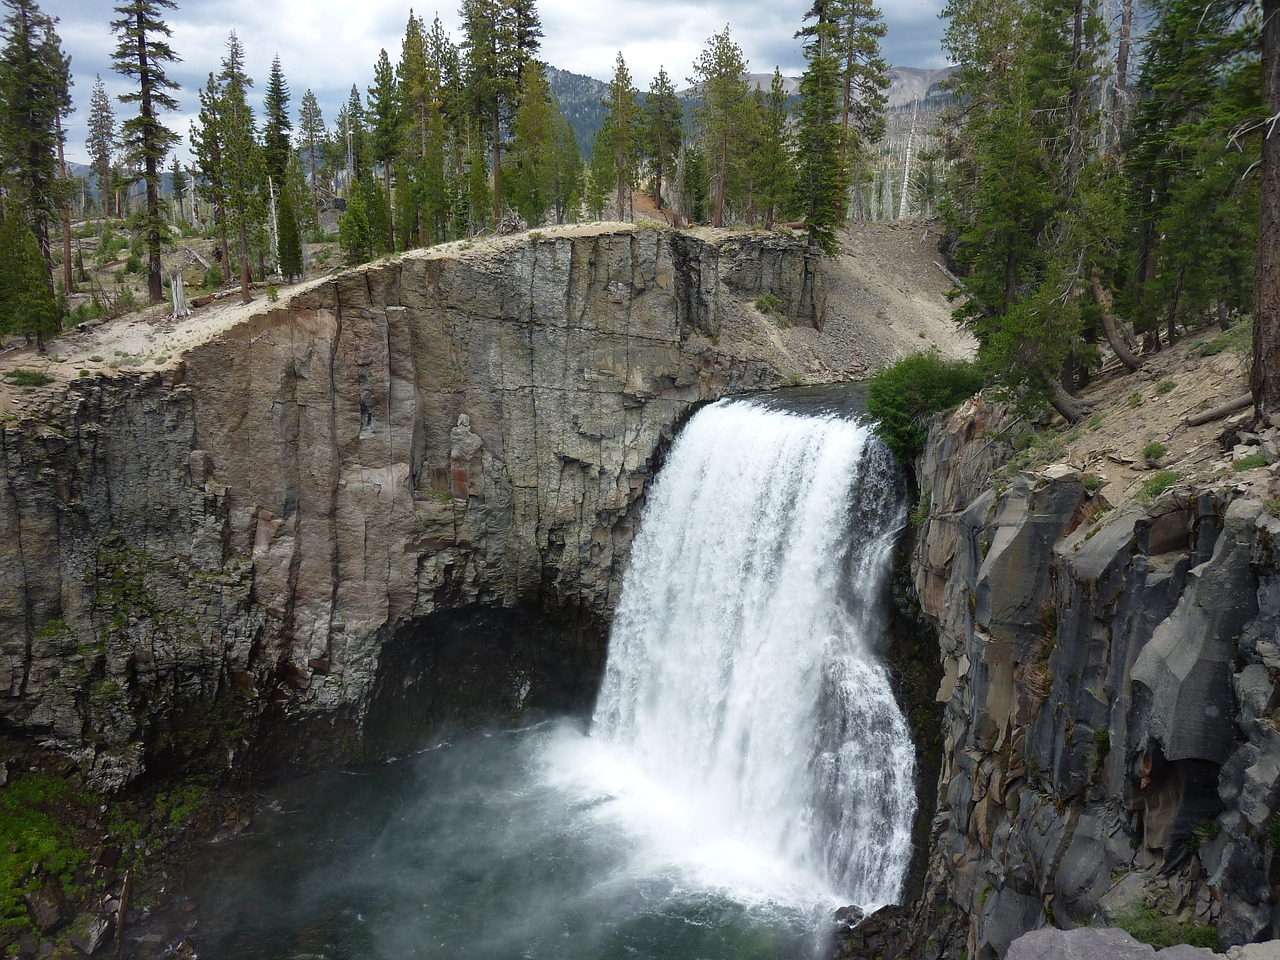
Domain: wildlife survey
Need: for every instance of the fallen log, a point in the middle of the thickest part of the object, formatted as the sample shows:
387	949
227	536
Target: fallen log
1220	411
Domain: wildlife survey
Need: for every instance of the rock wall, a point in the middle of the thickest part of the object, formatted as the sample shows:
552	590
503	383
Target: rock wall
210	561
1111	738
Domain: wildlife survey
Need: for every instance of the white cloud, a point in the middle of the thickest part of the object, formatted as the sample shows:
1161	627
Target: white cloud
327	45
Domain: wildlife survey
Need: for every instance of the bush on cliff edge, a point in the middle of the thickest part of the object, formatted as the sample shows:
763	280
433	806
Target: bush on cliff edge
904	395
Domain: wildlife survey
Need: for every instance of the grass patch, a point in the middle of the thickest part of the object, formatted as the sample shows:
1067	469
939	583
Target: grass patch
1135	399
1238	341
1157	485
35	849
1250	462
1150	926
1154	450
1168	385
22	377
1096	421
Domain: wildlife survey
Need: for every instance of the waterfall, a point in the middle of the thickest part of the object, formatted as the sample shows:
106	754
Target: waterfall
743	683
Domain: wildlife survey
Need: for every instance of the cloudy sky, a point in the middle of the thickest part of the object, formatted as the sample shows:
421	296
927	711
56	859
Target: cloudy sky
327	45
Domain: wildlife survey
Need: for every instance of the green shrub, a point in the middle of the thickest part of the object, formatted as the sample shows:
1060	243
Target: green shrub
768	303
133	264
1154	450
1166	386
213	278
1157	485
27	378
903	396
1135	399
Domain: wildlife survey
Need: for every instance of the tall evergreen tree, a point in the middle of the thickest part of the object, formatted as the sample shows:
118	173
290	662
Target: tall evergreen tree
243	170
1265	377
566	173
619	138
101	141
290	239
1190	194
662	130
533	146
720	75
207	143
1028	202
311	135
142	54
34	81
277	128
27	306
385	125
823	173
772	158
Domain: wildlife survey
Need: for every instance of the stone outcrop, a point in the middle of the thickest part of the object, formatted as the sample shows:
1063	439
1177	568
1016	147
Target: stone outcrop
441	455
1111	739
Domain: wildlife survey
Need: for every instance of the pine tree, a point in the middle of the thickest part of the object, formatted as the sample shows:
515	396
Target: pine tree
290	240
243	170
101	142
772	158
141	55
566	174
354	234
663	130
1028	202
384	126
311	135
1265	376
207	138
533	146
179	180
1190	191
620	137
488	44
720	74
277	128
823	174
34	82
864	76
27	306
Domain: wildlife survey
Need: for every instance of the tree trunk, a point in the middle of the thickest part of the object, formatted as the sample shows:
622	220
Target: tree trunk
1112	327
68	279
497	168
1265	379
1119	93
1072	410
245	295
391	213
724	169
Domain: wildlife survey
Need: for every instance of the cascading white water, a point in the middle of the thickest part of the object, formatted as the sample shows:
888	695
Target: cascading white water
742	684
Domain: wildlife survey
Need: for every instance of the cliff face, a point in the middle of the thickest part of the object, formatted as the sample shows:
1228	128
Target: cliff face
407	490
1111	731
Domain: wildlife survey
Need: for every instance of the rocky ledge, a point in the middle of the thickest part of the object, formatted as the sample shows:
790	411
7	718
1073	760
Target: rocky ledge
399	497
1111	737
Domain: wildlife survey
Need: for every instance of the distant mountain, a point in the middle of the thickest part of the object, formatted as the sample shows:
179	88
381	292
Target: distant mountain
580	97
580	100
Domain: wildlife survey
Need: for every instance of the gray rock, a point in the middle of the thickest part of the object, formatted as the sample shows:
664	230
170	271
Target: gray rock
1094	943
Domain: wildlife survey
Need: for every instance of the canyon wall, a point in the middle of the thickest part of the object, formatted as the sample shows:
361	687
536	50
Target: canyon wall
1111	738
429	467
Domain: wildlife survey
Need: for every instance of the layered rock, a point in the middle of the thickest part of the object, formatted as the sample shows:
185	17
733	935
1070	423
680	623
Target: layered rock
447	445
1111	734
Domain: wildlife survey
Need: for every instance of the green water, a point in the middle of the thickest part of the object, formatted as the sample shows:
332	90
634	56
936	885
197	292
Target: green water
492	846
